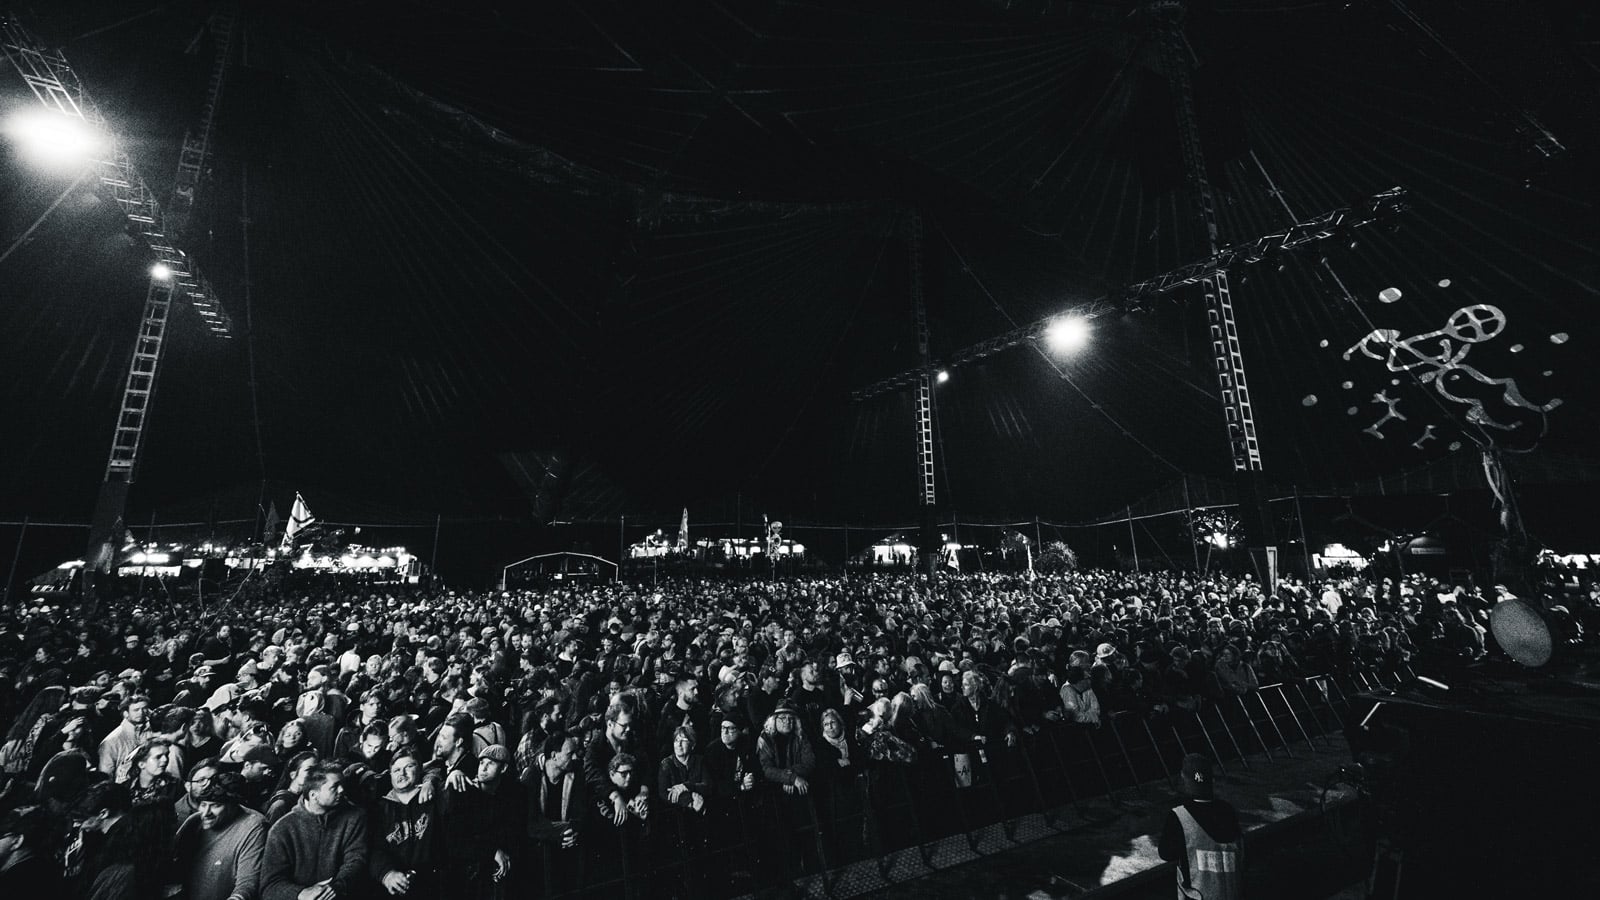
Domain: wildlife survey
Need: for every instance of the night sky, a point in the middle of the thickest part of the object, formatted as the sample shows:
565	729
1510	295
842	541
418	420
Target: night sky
661	243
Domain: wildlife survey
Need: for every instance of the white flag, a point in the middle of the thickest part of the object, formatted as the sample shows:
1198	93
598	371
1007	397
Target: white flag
683	530
299	518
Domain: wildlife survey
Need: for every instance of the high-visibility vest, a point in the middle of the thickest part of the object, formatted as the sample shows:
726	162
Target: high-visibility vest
1213	865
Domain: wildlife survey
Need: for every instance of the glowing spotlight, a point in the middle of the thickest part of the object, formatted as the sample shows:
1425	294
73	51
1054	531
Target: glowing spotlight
1219	540
943	376
1067	334
161	271
53	141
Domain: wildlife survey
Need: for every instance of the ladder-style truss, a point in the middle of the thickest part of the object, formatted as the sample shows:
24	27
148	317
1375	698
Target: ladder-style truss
141	382
1225	350
1142	294
197	143
919	311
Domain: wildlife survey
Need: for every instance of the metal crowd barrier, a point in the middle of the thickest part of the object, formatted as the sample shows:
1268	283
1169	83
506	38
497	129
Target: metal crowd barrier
892	822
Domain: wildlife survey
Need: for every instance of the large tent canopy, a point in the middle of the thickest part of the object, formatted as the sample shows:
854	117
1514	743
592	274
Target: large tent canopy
575	259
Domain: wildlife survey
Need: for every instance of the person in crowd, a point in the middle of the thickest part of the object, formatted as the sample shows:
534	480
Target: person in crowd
194	781
291	785
557	805
483	819
318	850
292	739
683	709
259	768
682	780
452	750
117	748
403	834
786	757
28	867
219	847
124	848
1202	835
617	737
1234	674
371	711
1078	699
149	779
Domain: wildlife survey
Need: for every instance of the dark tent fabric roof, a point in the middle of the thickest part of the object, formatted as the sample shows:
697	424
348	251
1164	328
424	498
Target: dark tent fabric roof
663	242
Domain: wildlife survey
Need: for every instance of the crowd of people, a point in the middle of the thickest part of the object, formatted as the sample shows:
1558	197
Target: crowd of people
423	743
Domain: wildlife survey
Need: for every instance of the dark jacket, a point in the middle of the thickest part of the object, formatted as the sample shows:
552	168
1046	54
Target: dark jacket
403	837
691	774
304	848
572	805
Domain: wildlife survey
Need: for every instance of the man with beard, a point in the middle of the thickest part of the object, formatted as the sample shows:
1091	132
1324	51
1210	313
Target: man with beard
117	746
219	847
557	802
404	834
617	738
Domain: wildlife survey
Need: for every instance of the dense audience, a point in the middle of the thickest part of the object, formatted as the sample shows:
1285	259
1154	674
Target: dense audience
395	742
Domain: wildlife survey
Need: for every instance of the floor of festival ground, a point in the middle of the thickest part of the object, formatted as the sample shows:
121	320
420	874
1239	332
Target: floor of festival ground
1295	849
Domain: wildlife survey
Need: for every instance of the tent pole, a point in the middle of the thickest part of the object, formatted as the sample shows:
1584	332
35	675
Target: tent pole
433	561
16	556
1188	521
622	543
1135	539
1300	518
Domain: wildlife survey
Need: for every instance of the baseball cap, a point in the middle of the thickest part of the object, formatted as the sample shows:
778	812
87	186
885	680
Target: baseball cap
496	752
263	754
1199	773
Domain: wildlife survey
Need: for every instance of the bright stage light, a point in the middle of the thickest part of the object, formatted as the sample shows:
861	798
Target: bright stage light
53	141
943	376
1219	540
161	272
1067	334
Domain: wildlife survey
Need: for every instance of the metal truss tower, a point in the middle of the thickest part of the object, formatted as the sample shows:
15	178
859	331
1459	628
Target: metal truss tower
197	143
172	274
1142	295
919	311
1225	350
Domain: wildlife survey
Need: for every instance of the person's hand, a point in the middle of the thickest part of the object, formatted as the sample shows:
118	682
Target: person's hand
317	892
425	791
640	805
396	882
569	836
801	786
456	781
788	789
674	792
749	781
1011	739
697	803
502	865
982	738
619	810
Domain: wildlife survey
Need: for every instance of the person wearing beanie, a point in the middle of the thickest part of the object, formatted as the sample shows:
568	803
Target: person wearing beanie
1202	835
219	847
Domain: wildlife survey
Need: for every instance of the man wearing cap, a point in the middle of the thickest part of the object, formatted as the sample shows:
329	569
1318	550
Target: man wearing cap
219	847
482	820
1202	835
257	768
244	681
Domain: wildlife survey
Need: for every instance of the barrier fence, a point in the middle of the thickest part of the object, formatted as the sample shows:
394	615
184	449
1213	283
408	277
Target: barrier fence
890	822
